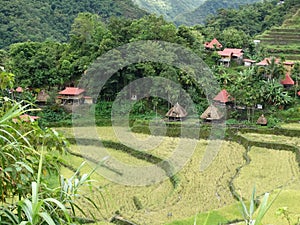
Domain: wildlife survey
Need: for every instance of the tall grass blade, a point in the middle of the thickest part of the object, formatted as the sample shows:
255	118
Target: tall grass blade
252	203
47	218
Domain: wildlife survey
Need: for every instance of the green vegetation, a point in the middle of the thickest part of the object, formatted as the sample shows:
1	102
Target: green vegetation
40	20
291	126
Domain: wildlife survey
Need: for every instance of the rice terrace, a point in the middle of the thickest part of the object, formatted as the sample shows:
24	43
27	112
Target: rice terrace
139	112
208	195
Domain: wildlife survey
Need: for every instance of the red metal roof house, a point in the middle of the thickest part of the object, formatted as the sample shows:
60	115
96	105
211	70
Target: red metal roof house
266	61
71	95
229	54
288	81
26	118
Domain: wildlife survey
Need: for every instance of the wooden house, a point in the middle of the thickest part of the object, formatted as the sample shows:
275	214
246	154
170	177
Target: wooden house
71	95
231	54
176	113
267	61
212	45
288	65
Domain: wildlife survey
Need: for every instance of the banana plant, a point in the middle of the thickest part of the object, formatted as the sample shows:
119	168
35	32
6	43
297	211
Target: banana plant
36	209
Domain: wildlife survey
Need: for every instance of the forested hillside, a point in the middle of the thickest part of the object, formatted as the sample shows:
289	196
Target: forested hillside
209	7
38	20
168	8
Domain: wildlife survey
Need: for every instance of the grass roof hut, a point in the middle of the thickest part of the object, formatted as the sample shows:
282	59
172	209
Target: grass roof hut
177	112
42	97
212	113
262	120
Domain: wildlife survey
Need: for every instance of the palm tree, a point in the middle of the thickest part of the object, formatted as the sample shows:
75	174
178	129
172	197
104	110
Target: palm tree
274	70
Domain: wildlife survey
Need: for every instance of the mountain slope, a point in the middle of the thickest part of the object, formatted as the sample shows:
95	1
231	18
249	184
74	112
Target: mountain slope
168	8
37	20
199	15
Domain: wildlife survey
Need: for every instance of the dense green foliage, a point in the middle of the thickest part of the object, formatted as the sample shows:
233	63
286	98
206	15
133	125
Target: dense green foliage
40	20
34	67
52	65
20	142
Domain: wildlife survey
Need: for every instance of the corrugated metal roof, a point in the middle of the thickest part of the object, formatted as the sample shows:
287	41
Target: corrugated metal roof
71	91
213	43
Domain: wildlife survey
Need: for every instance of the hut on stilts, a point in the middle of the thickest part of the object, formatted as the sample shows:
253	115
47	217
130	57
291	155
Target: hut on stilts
212	113
176	113
262	120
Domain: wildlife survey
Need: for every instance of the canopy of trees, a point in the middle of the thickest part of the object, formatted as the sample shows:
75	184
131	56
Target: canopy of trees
51	19
51	64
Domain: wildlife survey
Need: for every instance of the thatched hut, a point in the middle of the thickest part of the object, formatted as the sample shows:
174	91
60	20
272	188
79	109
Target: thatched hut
42	97
262	120
212	113
177	112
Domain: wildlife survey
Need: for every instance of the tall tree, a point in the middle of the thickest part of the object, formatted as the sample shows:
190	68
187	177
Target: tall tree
233	38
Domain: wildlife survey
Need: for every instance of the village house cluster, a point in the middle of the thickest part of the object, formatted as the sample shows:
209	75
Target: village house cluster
77	96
